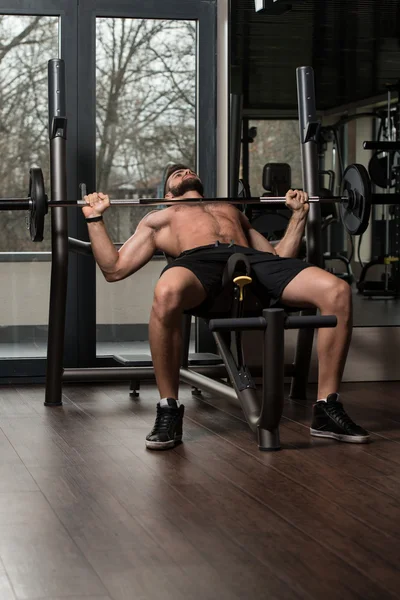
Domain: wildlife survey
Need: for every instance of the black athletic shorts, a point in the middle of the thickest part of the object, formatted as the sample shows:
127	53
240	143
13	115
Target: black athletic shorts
271	272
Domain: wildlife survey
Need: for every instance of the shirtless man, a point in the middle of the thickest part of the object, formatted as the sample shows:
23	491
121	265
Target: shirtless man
201	237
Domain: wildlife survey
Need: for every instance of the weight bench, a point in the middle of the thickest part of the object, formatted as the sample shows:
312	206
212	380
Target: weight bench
241	306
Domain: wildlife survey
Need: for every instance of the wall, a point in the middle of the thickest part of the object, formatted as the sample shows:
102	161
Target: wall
25	288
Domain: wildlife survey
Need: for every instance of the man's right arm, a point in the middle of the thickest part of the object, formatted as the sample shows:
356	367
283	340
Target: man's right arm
133	255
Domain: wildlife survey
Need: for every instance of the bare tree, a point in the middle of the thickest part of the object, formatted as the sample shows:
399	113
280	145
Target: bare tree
25	45
146	106
146	82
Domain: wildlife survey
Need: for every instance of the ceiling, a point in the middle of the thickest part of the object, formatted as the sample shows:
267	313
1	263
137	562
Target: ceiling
353	46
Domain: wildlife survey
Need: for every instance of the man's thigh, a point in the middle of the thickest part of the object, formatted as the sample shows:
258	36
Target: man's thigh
309	288
275	273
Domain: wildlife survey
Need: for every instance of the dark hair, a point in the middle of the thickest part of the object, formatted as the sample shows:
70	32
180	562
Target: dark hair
171	169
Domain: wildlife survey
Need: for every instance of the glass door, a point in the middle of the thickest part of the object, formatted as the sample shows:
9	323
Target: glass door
148	99
28	39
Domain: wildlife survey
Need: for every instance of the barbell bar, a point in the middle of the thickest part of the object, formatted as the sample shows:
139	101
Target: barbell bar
355	201
27	203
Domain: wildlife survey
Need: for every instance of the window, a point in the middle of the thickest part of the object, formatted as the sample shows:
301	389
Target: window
26	44
146	118
276	141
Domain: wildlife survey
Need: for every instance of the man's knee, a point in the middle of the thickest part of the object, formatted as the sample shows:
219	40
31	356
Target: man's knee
338	297
168	298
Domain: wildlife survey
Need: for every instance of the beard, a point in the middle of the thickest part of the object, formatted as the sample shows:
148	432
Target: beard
189	184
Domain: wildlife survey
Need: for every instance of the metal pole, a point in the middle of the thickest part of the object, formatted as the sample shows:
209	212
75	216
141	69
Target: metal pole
135	373
186	330
209	385
246	394
59	233
388	176
246	152
308	124
273	380
236	111
395	246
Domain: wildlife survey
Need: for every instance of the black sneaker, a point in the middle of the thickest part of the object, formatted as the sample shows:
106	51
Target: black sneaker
167	430
330	420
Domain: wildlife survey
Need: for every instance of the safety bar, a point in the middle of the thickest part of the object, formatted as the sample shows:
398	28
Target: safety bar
128	373
80	247
245	324
393	146
260	323
383	199
310	322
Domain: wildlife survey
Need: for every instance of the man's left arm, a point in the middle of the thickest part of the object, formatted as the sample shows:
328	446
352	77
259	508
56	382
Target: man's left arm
289	245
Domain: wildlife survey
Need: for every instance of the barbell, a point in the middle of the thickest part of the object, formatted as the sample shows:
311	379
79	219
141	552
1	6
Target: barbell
355	201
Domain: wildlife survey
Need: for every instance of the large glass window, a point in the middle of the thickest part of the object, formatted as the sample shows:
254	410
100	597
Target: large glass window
26	44
146	118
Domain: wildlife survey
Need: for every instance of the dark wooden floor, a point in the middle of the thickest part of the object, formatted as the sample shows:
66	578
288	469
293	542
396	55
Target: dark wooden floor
87	513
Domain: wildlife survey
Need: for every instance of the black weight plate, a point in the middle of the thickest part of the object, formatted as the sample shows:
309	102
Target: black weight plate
356	182
39	207
377	168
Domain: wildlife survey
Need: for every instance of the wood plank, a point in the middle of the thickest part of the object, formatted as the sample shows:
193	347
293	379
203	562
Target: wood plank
37	443
96	403
8	456
39	556
14	476
6	591
11	406
313	517
122	533
378	463
75	598
371	466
